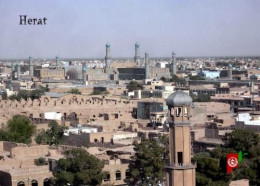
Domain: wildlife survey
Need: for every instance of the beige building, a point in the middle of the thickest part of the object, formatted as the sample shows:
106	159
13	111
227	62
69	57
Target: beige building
46	73
18	167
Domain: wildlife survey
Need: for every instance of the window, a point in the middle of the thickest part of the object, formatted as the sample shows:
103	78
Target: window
107	178
180	158
127	174
178	112
172	111
118	175
34	183
20	183
46	182
185	111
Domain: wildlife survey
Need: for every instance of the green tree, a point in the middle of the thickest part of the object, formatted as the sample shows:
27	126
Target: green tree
147	166
4	95
241	140
22	94
210	170
194	98
177	80
197	77
4	135
99	92
40	161
44	89
79	168
36	94
133	85
203	98
19	129
74	91
25	94
52	136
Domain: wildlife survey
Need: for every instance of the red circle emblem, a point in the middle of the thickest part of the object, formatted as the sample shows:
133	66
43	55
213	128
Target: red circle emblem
232	162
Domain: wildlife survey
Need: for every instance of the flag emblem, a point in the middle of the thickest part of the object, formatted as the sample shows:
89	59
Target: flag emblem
232	162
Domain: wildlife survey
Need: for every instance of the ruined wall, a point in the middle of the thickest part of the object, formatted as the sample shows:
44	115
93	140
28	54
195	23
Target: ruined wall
86	108
39	150
7	146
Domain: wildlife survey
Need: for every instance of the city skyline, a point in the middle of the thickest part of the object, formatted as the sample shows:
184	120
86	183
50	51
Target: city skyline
81	30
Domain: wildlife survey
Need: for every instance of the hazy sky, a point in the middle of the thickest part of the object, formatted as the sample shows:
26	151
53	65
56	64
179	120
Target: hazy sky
81	28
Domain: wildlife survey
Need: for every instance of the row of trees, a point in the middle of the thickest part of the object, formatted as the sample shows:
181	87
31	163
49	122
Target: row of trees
74	91
175	79
201	97
181	81
26	94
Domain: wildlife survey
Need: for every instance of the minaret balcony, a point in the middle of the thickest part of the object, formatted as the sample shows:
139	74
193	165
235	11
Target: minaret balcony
181	166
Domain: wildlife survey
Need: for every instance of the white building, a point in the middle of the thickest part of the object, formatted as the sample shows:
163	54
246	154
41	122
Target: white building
79	130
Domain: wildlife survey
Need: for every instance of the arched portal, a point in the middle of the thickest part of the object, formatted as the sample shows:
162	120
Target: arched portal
34	183
20	183
118	175
46	182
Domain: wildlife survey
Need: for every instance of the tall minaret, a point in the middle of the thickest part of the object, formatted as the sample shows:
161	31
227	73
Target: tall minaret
229	72
57	61
180	171
137	55
30	66
13	70
18	71
147	69
107	57
173	63
84	70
